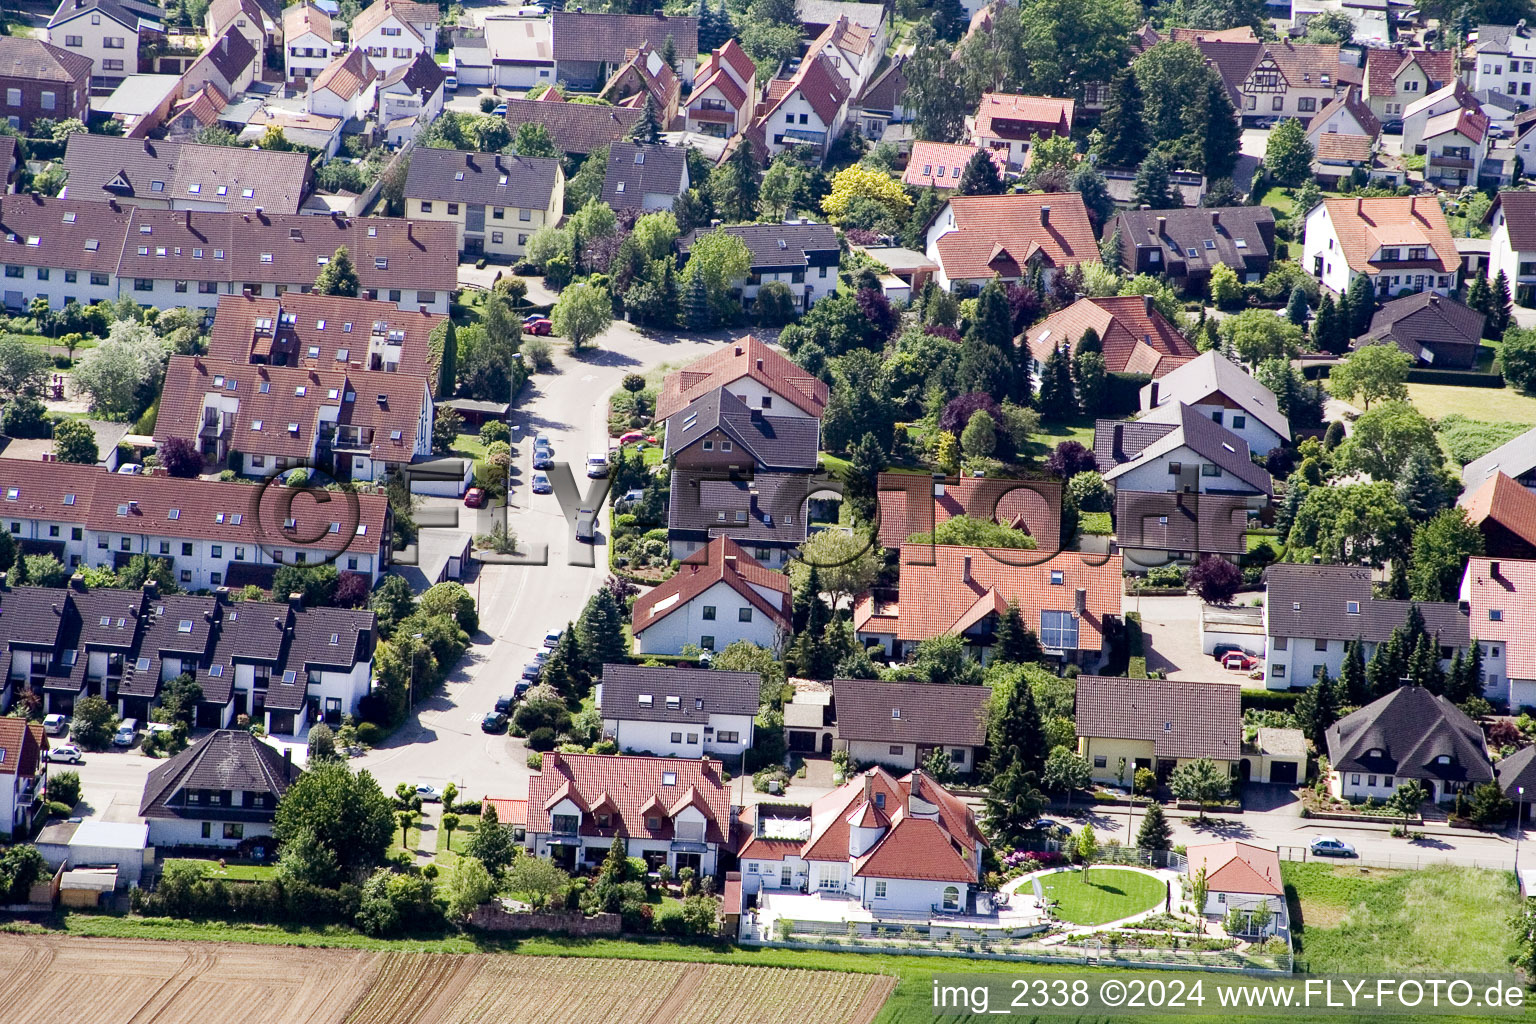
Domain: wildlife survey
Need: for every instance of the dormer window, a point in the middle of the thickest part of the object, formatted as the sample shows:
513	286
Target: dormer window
1443	759
1374	752
652	821
880	801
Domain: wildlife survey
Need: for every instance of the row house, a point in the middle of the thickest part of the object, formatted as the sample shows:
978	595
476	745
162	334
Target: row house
800	255
587	46
358	425
392	32
678	712
1512	242
1008	123
221	792
1313	612
1496	599
309	41
670	811
410	98
41	80
1397	76
209	532
492	203
1399	244
284	665
322	331
725	93
1295	79
975	239
163	175
107	32
894	846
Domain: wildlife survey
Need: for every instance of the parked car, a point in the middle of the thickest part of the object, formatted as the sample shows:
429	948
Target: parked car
429	794
1392	127
1237	661
543	325
1331	846
154	728
543	441
543	458
533	316
597	464
494	721
629	497
1221	651
126	731
54	725
474	498
552	638
533	669
66	753
631	436
500	110
521	687
1266	122
541	484
451	83
504	703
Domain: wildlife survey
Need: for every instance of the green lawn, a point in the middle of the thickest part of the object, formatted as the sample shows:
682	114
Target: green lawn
1050	435
1437	400
1371	921
447	855
1096	523
469	446
233	872
1105	894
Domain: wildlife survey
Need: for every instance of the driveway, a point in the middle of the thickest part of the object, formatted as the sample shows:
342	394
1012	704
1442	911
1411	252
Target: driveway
1170	628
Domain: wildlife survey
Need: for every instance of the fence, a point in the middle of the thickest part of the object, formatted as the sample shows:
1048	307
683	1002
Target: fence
1166	859
1409	860
1088	954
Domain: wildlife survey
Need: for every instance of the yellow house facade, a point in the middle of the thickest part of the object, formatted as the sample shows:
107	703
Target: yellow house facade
495	202
1124	725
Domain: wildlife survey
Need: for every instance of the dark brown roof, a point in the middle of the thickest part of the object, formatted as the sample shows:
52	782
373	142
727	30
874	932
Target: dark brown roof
635	170
285	329
767	508
24	57
1175	232
576	127
1404	733
921	713
228	759
1180	719
1425	320
106	167
1203	436
67	234
489	179
778	245
229	56
700	693
1204	523
1517	772
774	442
1313	602
580	36
422	75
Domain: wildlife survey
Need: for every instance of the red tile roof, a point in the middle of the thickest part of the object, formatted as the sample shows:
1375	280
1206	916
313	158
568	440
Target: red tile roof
508	811
1383	66
943	586
1469	122
1504	501
331	323
1363	226
712	75
720	561
940	164
347	75
749	357
1237	867
1009	116
1136	337
732	53
823	88
1338	146
998	235
21	747
1033	506
630	784
1512	593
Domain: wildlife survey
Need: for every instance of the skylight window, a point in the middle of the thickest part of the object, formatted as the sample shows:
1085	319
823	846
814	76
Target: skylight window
235	519
299	391
458	176
69	499
69	218
249	193
319	325
122	510
645	700
174	514
335	528
142	665
34	240
381	262
184	626
12	493
266	257
106	620
217	671
194	188
222	190
669	778
255	425
289	676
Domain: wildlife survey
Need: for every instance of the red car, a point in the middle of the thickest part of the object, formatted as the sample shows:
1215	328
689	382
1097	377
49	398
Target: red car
631	436
543	325
1237	661
474	498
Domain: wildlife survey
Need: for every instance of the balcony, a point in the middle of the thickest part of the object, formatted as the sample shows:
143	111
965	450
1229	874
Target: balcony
1451	161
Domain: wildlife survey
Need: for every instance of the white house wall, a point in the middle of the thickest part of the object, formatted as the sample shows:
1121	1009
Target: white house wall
686	625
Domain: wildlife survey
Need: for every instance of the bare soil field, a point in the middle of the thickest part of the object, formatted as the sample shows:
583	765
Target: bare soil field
112	981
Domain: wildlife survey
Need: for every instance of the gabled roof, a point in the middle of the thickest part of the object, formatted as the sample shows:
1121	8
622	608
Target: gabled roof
732	55
346	75
1212	373
825	12
1516	457
912	504
749	357
720	561
423	75
1455	90
1339	147
375	14
575	127
1363	226
712	73
1351	104
489	179
67	234
1182	720
1163	521
948	588
1384	66
1206	438
773	442
1019	118
1468	122
1314	602
885	91
1502	501
1404	734
226	759
287	328
928	714
1237	867
1519	218
230	56
21	747
1307	65
1233	235
33	59
586	36
655	78
634	786
647	693
1136	338
1416	322
1517	772
1502	607
998	235
940	164
819	83
128	14
104	167
223	12
789	245
763	508
303	18
636	170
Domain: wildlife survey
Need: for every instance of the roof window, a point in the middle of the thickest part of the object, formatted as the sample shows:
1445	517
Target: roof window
142	665
674	703
216	671
69	218
184	626
645	700
669	778
289	676
174	514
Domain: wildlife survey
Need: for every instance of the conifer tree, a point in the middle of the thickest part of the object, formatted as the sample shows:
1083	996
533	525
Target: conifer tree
1352	680
1155	832
697	316
1501	306
447	367
1125	137
1056	399
980	177
648	128
1015	643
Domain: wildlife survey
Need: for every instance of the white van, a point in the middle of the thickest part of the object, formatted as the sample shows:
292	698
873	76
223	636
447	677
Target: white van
597	464
126	731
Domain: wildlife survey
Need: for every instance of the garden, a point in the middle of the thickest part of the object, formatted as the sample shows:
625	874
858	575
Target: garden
1101	895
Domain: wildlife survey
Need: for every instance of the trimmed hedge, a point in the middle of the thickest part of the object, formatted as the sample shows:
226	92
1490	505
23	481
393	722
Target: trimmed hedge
1122	393
1269	700
1455	378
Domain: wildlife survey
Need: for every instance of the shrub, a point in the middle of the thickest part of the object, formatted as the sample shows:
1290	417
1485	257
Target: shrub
369	733
64	788
537	354
542	739
536	761
495	430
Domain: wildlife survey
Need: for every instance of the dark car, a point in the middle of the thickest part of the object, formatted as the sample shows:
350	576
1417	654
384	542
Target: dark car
494	721
533	669
504	704
522	687
1222	650
1392	127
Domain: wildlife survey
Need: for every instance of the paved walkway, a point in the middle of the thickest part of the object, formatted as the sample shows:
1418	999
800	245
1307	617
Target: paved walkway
1167	877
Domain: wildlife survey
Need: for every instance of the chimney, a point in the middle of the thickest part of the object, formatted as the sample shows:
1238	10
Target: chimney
1215	218
1360	203
410	233
658	12
296	601
112	204
1162	226
287	762
1080	603
759	364
938	485
965	571
3	578
1493	570
740	350
1146	304
151	589
1317	559
77	581
221	595
1152	403
1045	215
225	42
757	415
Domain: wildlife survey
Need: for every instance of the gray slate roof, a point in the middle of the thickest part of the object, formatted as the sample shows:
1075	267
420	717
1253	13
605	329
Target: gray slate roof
635	170
482	179
580	36
229	759
1117	441
779	245
922	713
774	442
576	128
699	692
1403	733
1312	602
1186	228
773	504
1518	770
1206	438
1164	521
1213	373
1416	321
1181	719
279	181
1514	458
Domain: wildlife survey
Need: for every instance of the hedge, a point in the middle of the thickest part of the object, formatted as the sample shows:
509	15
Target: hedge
1455	378
1122	393
1269	700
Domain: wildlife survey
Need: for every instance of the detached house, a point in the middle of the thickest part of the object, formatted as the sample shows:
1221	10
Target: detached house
900	725
1505	514
1396	77
1504	60
678	712
1496	595
725	93
669	810
1187	244
1515	458
392	32
222	791
308	41
807	109
106	32
911	504
1178	448
1512	245
719	595
800	255
752	370
346	89
411	97
941	164
644	178
1408	734
246	17
1215	386
1295	79
1069	598
1136	338
893	846
1126	725
642	76
494	202
1008	123
42	80
1435	330
230	65
975	239
1400	244
1312	612
1242	877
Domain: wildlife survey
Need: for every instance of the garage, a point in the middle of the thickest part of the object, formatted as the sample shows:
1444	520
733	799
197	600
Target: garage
1282	759
1283	773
